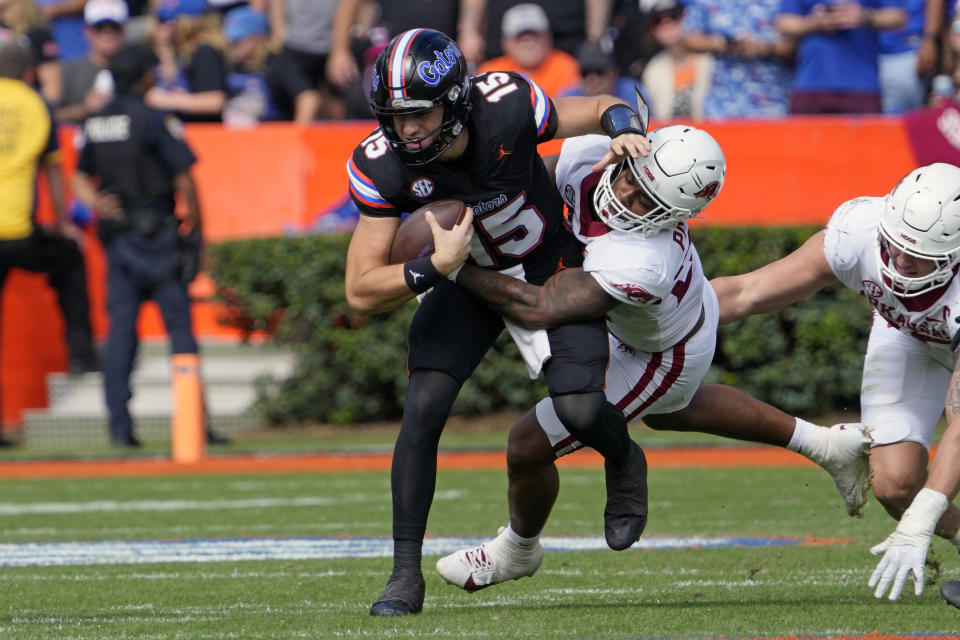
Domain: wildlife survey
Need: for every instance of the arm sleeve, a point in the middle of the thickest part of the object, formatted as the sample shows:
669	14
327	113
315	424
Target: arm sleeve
51	150
364	191
207	70
542	112
635	284
838	240
164	132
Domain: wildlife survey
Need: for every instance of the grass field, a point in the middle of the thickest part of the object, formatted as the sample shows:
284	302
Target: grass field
768	590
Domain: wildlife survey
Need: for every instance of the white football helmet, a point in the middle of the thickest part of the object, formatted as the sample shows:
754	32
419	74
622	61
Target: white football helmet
921	217
682	174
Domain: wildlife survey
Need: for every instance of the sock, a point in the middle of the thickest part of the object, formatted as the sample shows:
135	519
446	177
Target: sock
517	539
406	557
803	436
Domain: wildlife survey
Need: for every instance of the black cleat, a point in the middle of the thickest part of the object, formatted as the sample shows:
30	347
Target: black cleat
215	439
625	514
402	596
950	591
130	442
80	366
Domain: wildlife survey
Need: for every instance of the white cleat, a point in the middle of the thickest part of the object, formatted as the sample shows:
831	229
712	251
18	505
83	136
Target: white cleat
846	457
491	563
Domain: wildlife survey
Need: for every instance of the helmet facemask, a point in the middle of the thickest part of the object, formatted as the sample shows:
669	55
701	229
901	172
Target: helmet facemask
682	174
616	215
921	218
906	286
428	70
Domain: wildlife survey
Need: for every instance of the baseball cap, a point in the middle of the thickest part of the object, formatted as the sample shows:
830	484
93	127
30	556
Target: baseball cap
524	17
593	56
98	11
242	22
670	8
130	65
171	9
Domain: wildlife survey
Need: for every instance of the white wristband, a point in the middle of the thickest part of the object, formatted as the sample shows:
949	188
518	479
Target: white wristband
924	512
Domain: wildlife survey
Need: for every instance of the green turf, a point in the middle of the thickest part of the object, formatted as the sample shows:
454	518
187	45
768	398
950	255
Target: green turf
773	591
460	434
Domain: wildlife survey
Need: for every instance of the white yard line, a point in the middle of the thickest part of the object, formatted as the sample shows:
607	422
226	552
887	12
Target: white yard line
227	550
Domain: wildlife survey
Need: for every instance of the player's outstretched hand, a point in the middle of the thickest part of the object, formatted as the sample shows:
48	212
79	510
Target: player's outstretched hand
905	550
899	559
451	248
626	144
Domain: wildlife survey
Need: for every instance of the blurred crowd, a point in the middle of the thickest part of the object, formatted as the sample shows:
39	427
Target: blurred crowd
244	61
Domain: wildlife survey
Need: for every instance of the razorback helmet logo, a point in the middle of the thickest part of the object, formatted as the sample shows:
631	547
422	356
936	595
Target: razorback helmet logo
709	191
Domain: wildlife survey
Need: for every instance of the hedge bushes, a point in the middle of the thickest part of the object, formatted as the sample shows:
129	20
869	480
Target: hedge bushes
805	359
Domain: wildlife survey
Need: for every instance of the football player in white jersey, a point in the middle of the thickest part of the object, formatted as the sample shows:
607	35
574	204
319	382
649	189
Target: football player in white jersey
901	252
644	275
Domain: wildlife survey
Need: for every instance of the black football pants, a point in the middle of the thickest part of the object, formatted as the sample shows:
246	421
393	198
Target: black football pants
449	335
60	258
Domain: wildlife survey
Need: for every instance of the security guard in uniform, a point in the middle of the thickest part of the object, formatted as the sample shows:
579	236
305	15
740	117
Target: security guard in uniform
134	159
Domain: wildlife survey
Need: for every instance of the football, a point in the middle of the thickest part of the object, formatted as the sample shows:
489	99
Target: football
413	238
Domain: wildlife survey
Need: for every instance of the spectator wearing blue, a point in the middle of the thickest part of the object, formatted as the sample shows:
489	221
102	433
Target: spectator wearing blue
262	84
198	47
66	25
751	76
601	75
837	52
908	56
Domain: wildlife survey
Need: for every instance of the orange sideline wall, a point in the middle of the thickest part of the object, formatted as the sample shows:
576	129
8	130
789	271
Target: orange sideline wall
280	179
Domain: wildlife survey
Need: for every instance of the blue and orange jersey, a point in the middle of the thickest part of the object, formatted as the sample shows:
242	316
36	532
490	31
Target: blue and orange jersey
501	175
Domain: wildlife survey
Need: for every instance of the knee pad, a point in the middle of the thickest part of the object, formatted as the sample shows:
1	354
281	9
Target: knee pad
595	422
580	413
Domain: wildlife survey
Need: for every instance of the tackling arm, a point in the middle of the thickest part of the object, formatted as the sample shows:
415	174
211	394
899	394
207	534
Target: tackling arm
550	162
570	295
775	285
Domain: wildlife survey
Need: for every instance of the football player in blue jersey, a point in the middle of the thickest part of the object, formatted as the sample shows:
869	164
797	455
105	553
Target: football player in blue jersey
445	135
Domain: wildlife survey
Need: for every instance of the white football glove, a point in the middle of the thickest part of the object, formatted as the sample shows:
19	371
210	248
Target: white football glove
905	550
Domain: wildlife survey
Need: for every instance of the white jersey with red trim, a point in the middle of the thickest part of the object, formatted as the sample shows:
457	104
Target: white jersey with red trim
657	279
850	249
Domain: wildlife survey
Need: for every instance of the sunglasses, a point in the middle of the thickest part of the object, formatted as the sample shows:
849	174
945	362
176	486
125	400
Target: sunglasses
593	71
107	26
672	15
